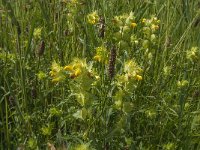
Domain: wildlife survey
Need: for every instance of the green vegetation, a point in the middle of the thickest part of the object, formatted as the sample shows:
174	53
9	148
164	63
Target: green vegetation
104	75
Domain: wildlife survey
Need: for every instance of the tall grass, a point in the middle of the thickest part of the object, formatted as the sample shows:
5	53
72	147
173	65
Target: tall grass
157	108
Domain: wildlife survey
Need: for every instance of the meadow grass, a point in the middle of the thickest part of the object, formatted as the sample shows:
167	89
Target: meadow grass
109	75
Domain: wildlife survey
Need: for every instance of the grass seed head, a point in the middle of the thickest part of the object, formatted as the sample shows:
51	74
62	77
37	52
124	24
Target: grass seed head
41	48
111	69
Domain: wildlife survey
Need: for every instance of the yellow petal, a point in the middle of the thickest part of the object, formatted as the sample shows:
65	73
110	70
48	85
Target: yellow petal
133	25
138	77
97	58
68	68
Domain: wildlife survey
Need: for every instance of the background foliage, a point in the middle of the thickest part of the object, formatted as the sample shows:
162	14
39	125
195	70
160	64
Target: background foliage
99	74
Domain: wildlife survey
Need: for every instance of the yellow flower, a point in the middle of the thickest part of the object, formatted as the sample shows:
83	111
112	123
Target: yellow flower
76	67
52	73
154	27
144	20
77	72
101	54
79	63
155	20
68	68
41	75
57	73
132	70
57	79
182	83
129	67
93	18
138	77
193	54
97	58
133	25
37	33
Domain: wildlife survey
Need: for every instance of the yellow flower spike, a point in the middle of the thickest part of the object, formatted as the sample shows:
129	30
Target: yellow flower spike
97	58
154	27
76	67
53	73
182	83
144	20
101	54
155	20
192	54
138	77
93	18
57	73
69	68
157	27
128	76
79	63
41	75
56	67
55	80
129	66
37	33
77	72
133	25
